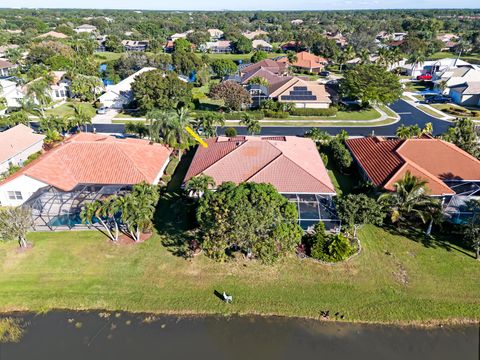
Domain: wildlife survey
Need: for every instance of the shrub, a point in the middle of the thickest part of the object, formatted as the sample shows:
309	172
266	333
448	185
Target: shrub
331	111
324	158
230	132
341	155
331	248
256	115
275	114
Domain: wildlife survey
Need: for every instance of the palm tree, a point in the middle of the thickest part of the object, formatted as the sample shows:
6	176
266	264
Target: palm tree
319	136
169	129
198	185
207	124
37	93
364	56
96	210
403	132
414	59
410	201
253	125
81	117
428	129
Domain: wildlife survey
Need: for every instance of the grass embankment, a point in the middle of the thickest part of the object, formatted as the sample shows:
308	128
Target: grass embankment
66	109
393	280
429	111
472	58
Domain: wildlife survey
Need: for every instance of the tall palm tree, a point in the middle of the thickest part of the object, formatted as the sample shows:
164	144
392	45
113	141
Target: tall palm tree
81	117
96	210
410	202
207	124
37	93
169	129
364	56
416	58
198	185
253	126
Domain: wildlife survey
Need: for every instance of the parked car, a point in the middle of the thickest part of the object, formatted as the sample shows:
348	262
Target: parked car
424	77
102	110
324	73
438	99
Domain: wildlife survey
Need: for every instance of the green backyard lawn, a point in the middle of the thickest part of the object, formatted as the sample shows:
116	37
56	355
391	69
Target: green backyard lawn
394	279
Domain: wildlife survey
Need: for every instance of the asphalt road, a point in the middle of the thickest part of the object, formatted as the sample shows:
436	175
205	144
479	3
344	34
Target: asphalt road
409	115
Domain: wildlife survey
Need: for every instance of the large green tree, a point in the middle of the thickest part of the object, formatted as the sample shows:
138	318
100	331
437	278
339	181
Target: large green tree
159	90
223	67
371	84
253	218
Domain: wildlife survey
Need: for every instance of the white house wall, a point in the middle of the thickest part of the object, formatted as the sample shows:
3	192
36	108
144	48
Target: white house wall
25	184
20	158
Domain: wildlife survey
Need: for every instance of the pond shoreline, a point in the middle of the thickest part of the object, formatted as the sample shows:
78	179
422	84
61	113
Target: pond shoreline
420	324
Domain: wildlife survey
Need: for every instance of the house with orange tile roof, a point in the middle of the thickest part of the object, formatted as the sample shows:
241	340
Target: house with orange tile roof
291	164
309	62
451	173
84	168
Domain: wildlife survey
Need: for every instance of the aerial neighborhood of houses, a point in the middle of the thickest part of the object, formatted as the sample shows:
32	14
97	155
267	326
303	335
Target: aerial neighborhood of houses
91	109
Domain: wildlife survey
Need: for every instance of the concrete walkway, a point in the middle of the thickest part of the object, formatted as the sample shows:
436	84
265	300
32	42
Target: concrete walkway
415	102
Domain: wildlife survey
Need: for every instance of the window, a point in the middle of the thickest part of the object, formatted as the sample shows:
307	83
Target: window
15	195
57	94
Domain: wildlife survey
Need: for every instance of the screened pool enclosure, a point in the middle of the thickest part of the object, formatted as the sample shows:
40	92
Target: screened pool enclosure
53	209
313	208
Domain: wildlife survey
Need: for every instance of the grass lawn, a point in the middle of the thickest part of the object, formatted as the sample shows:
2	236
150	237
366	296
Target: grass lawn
390	113
236	57
472	58
428	111
415	86
105	57
67	109
82	270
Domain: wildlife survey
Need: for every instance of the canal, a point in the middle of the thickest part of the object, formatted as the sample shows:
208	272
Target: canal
103	335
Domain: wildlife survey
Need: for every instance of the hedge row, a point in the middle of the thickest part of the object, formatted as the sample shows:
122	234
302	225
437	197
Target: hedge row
257	115
331	111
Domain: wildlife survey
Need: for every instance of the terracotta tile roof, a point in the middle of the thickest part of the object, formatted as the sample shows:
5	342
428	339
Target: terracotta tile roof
17	139
88	158
291	164
434	160
309	61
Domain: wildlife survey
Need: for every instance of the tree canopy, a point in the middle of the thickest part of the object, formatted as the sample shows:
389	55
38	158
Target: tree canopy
371	84
159	90
253	218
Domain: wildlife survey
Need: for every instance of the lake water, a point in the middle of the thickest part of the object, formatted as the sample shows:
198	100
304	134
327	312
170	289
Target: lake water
92	335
